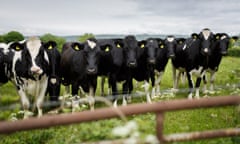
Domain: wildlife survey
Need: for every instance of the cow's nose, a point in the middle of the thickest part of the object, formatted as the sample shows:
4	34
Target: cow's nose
152	61
36	70
91	70
132	64
224	53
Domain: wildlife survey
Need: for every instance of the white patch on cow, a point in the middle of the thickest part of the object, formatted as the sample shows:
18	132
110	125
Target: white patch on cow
33	46
206	33
46	57
4	47
151	41
205	50
91	44
170	39
197	72
185	46
223	37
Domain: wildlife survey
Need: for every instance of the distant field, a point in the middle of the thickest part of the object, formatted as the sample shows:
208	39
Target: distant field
227	81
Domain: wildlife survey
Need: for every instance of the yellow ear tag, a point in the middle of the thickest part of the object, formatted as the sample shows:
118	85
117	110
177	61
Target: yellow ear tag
161	46
50	47
76	47
142	46
107	49
217	37
118	46
195	37
17	48
180	42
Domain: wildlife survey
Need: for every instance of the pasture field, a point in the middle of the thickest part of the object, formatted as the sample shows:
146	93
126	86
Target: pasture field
227	81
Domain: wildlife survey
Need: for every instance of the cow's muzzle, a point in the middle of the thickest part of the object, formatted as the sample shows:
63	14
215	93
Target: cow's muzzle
36	70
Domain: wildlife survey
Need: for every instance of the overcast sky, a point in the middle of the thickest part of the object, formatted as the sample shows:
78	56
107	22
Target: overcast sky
75	17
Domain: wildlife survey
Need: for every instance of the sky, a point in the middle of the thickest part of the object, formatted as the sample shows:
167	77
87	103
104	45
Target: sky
76	17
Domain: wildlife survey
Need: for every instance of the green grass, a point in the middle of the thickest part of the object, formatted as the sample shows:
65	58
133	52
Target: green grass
174	122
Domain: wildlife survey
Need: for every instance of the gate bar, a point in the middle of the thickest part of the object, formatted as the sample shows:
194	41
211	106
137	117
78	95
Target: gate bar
105	113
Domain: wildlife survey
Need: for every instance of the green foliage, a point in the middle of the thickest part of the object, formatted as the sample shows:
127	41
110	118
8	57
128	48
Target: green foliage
12	36
86	36
1	38
49	37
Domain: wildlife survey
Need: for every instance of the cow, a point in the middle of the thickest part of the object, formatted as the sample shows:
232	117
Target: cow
54	82
196	54
3	66
146	60
218	50
79	67
28	68
178	62
129	46
164	52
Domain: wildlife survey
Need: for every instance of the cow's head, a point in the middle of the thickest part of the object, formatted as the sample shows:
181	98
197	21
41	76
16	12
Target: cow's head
150	46
171	44
30	58
92	51
130	51
222	42
206	39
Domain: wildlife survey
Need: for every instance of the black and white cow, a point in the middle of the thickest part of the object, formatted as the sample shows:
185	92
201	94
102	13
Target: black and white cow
178	62
196	55
219	48
54	81
28	65
164	52
3	66
146	60
79	67
129	46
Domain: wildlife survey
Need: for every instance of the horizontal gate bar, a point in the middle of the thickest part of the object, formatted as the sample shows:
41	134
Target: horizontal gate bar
104	113
202	135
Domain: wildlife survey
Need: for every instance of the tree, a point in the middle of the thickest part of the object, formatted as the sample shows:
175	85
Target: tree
86	36
13	36
49	37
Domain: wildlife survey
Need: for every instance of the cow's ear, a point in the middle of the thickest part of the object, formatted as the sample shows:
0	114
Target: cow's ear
17	46
50	45
234	38
106	48
77	46
142	44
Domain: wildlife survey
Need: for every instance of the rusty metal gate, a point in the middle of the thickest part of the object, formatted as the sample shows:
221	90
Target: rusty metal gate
159	108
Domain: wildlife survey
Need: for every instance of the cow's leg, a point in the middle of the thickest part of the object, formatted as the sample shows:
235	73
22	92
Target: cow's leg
205	84
146	88
91	98
190	84
40	97
157	83
75	97
25	102
125	92
212	80
174	78
113	84
198	82
102	85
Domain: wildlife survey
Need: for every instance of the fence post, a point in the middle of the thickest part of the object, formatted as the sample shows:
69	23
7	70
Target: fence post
159	126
